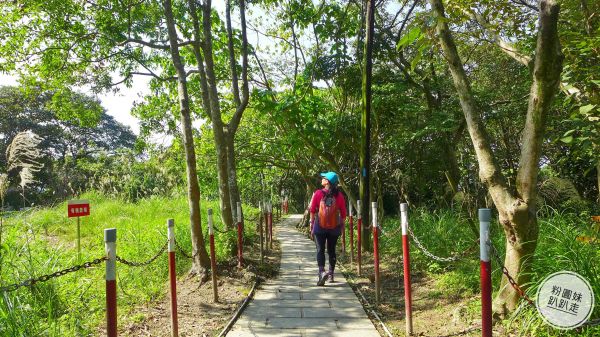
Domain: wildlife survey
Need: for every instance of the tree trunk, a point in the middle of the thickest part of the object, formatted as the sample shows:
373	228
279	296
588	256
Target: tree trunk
521	230
217	123
234	191
223	175
516	208
365	151
201	261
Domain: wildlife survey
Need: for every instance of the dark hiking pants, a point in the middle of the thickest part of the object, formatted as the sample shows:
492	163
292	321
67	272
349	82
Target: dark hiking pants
322	240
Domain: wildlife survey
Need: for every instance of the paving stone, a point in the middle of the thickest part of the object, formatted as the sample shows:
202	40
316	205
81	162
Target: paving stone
292	304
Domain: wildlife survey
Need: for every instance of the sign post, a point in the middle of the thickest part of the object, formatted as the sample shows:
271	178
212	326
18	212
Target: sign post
77	209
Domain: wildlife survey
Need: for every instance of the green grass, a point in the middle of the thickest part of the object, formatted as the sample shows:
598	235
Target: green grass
445	234
43	241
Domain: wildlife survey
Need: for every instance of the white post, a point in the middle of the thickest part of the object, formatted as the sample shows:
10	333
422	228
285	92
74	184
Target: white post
110	244
374	211
171	234
210	221
376	251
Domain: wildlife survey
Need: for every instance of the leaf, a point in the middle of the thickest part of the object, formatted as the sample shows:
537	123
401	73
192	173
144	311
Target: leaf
567	140
409	37
586	108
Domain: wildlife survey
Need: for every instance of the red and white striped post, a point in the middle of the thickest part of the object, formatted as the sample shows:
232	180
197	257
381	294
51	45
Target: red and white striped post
270	215
172	277
260	231
266	213
240	234
359	237
344	238
485	216
110	245
406	260
376	251
213	257
351	231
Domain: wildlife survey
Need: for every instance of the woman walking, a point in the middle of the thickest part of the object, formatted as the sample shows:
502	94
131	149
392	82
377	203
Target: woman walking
327	217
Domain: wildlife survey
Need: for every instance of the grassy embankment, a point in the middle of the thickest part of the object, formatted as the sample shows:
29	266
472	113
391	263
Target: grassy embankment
42	241
447	285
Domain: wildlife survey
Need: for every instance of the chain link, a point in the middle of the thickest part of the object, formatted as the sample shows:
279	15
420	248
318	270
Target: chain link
141	264
31	282
452	258
183	252
591	323
510	279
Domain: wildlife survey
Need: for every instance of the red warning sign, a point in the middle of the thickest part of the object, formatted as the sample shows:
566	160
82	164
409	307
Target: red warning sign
77	208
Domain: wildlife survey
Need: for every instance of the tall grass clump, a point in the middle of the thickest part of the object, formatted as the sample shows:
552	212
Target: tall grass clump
43	241
558	249
444	234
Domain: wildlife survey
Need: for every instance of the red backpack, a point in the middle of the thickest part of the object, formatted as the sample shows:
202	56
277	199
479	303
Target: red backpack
328	211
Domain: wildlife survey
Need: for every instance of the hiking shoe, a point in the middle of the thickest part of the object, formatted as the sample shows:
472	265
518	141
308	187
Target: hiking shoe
322	278
331	277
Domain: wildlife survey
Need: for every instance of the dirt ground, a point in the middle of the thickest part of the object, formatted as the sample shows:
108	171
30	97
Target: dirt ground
434	313
198	315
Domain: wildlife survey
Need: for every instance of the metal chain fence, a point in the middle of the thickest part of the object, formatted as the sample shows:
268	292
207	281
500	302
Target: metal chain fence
145	263
522	294
183	252
452	258
510	279
591	323
44	278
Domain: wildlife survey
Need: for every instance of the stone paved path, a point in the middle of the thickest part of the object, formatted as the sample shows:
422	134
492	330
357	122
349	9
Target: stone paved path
292	304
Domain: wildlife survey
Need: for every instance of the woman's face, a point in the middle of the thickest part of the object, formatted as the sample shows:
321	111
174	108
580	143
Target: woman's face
324	182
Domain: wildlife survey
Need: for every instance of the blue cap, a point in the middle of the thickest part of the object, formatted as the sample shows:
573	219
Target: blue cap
331	176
